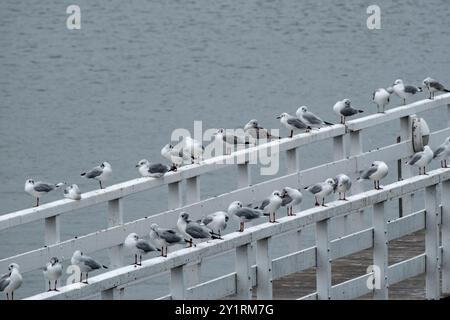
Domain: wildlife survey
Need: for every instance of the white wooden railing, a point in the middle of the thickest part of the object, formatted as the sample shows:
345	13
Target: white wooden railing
111	283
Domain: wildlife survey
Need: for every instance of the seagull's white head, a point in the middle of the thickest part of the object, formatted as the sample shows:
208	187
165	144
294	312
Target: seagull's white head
154	227
398	81
235	205
347	102
330	181
105	165
133	236
426	81
184	216
29	181
54	260
302	109
284	115
276	193
13	266
77	254
167	148
143	162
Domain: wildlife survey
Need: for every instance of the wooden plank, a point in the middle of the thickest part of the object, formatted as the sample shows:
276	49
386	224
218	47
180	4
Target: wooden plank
294	262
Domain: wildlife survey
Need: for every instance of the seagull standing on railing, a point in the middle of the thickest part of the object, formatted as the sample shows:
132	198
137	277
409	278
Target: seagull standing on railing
434	86
193	148
100	173
72	192
194	230
405	91
381	97
244	214
11	281
292	123
39	188
52	272
216	221
85	263
138	247
321	190
377	171
164	238
344	109
155	170
253	129
231	141
342	183
291	197
176	155
310	118
421	159
271	205
443	152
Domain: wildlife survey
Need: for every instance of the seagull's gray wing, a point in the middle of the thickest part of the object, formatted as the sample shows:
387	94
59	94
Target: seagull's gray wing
91	263
232	139
144	246
170	236
207	219
436	85
411	89
93	173
248	213
348	111
158	168
197	232
438	152
315	188
368	172
297	123
43	187
415	158
312	118
4	281
286	200
264	204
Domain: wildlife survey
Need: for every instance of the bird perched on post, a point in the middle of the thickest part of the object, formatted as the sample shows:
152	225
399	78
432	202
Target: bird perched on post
381	97
85	263
194	230
257	132
271	204
377	171
321	190
11	281
164	238
230	140
244	214
405	91
138	247
310	119
421	159
216	221
72	192
443	152
52	272
344	109
38	189
100	173
292	123
155	170
342	183
176	155
290	198
434	86
193	148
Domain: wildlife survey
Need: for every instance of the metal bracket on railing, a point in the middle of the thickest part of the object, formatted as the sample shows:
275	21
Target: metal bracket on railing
420	133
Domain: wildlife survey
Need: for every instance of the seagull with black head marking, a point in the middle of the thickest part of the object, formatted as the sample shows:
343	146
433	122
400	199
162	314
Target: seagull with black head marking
254	130
320	190
153	170
176	155
344	109
86	264
244	214
194	230
230	140
164	238
193	148
342	183
216	221
11	281
421	159
310	118
38	188
138	247
72	192
292	123
271	204
291	197
52	272
405	91
381	97
434	86
377	171
100	173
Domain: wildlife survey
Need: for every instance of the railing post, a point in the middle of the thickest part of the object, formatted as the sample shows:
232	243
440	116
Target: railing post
243	276
244	178
323	260
52	230
341	223
293	239
112	294
432	243
380	251
406	135
445	231
174	195
263	270
193	190
177	283
356	148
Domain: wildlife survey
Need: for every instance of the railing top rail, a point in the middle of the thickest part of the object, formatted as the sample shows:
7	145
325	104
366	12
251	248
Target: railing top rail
124	275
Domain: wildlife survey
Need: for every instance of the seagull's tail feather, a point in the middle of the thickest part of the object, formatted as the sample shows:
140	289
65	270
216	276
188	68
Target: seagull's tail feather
83	174
445	90
419	89
266	214
104	266
360	111
173	168
58	185
328	123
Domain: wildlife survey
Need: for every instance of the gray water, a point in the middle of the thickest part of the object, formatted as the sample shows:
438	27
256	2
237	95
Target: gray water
114	90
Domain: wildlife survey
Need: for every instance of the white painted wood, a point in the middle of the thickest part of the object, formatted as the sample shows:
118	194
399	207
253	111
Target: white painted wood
177	283
113	294
244	177
243	279
406	136
356	149
380	251
407	269
294	262
174	195
264	270
341	224
193	190
432	243
52	230
115	218
351	243
323	268
406	225
445	231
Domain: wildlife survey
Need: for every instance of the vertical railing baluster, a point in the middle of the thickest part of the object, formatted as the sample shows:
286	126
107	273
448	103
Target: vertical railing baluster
193	190
432	243
243	276
323	260
445	231
52	230
292	239
244	177
174	195
380	251
263	270
192	270
342	222
406	135
356	148
177	283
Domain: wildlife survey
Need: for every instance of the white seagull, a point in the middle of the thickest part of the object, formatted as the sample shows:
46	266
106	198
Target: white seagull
421	159
72	192
321	190
100	173
443	152
292	123
176	155
164	238
257	132
216	221
310	118
138	247
381	97
377	171
52	272
39	188
11	281
271	204
344	109
193	148
155	170
342	183
291	197
405	91
231	141
85	263
244	214
194	230
434	86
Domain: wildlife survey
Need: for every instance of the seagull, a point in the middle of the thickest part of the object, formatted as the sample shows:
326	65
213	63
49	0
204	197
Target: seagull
310	118
176	155
164	238
434	86
271	204
11	281
156	170
342	183
72	192
292	123
52	272
138	247
85	263
405	91
193	148
291	197
421	159
321	190
344	109
100	173
39	188
377	171
230	140
382	97
443	152
194	230
216	221
245	214
253	129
